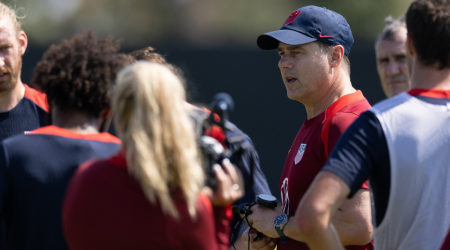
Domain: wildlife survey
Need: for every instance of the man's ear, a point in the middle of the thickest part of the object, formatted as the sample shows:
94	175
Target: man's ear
410	46
337	54
23	42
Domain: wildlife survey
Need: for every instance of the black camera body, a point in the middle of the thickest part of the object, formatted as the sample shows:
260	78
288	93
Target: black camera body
212	151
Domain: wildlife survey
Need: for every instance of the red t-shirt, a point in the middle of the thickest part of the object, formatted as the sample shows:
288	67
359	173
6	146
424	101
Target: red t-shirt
446	244
105	208
307	157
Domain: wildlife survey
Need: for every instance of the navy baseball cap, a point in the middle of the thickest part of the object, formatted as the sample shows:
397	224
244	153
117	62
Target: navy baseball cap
309	24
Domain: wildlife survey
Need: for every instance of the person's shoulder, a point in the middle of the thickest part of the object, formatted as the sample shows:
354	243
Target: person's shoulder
348	114
52	130
231	130
36	97
356	108
390	103
16	141
94	169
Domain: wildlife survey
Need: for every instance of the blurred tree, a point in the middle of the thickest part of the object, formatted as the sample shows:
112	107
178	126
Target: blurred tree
199	22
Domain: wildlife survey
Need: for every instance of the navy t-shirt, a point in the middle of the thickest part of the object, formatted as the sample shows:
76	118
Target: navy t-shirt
29	114
35	170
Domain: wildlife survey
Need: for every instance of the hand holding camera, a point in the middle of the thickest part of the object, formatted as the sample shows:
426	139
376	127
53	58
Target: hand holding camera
229	187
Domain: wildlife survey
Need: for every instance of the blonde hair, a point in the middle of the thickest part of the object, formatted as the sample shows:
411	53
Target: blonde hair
158	134
11	13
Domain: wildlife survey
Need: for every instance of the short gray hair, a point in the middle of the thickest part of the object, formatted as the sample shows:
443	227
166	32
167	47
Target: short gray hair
391	27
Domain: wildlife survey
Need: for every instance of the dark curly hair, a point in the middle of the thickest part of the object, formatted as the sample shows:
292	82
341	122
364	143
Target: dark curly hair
148	54
78	74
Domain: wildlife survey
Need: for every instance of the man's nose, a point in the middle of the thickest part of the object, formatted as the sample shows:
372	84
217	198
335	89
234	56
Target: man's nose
2	61
285	63
393	68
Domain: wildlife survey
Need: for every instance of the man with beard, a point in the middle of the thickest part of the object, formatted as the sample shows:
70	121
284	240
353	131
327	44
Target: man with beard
77	77
21	107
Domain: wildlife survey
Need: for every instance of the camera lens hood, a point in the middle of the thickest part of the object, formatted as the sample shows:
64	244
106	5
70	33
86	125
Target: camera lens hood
266	200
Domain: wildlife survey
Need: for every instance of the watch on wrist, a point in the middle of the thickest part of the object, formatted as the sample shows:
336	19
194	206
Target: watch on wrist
279	223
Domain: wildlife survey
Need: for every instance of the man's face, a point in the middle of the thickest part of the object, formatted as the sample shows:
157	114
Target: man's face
12	47
392	64
304	70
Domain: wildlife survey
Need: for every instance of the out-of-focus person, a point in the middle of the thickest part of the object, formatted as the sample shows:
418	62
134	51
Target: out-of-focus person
393	64
35	168
314	44
149	195
401	145
255	182
21	107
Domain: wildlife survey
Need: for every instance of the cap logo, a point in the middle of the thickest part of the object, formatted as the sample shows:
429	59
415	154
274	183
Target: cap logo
320	36
292	17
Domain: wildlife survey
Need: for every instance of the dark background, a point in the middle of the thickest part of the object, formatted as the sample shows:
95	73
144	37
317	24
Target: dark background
251	76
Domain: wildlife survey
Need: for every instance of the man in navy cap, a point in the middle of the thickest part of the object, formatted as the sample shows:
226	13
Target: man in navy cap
314	44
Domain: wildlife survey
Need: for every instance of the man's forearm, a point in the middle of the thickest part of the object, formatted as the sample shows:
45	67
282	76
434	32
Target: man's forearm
291	230
353	220
347	231
326	240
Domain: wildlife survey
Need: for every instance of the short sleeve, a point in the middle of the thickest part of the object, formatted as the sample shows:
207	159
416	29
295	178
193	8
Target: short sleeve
360	150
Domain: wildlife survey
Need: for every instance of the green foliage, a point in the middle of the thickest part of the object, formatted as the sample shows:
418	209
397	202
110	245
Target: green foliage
199	22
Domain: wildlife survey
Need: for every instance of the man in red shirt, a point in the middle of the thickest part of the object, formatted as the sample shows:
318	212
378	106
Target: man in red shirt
314	44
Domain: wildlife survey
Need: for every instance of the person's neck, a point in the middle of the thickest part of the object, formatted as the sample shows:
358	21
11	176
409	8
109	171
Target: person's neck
340	86
9	99
428	77
75	121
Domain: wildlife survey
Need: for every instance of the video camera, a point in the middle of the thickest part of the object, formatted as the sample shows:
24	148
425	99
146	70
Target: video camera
215	141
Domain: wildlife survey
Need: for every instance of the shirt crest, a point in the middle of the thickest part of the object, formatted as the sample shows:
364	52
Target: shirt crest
300	153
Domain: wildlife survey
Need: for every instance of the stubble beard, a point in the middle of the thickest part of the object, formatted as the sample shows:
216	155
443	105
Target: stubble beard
14	73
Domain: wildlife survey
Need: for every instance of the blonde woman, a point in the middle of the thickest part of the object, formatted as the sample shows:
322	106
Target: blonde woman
149	196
